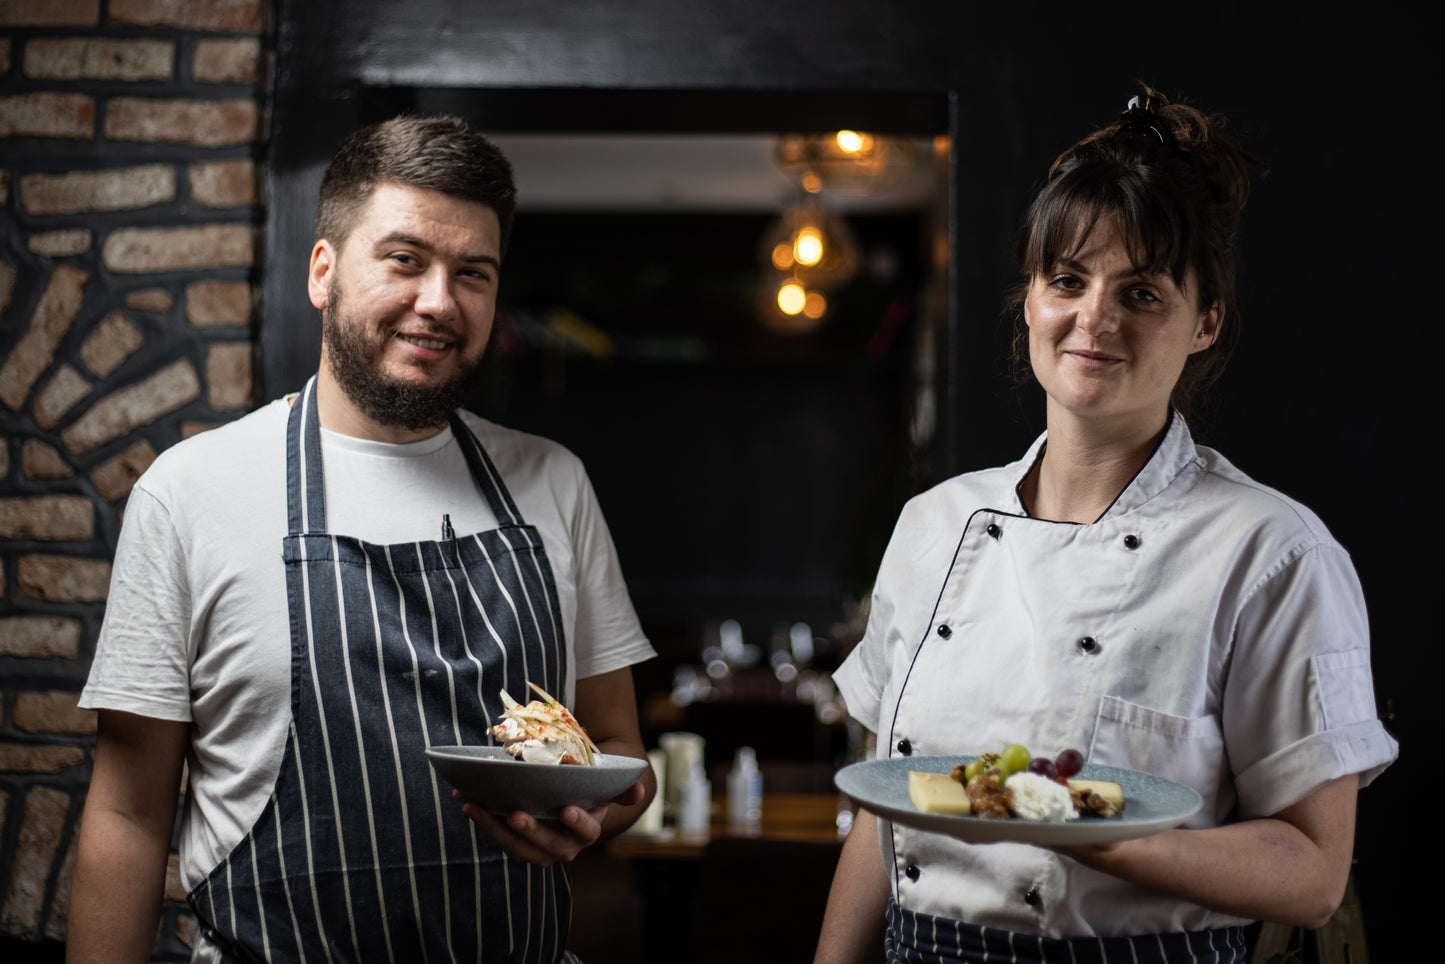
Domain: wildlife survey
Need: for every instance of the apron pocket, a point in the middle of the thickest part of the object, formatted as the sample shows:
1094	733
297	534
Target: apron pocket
1188	750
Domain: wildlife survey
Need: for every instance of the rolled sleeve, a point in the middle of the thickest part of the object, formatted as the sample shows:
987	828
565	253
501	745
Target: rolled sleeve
1299	708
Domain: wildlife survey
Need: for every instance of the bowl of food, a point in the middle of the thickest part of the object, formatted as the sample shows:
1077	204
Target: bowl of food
545	761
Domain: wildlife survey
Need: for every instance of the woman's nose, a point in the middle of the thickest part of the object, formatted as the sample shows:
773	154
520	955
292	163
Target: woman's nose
1097	313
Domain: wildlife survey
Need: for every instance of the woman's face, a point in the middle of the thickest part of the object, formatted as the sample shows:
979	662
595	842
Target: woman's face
1107	341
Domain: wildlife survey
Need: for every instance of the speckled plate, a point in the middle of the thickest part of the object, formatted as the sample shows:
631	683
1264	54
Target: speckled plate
504	784
1151	804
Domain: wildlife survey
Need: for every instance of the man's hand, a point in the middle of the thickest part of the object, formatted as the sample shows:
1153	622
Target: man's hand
545	842
607	707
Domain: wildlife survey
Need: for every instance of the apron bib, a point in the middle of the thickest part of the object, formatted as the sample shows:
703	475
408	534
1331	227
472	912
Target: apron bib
361	854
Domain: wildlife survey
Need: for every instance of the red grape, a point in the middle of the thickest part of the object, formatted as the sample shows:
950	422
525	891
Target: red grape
1069	762
1044	767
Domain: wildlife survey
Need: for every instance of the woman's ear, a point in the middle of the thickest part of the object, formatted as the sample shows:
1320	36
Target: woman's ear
1207	331
318	276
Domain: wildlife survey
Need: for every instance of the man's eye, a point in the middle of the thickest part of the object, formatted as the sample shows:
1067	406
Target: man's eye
410	260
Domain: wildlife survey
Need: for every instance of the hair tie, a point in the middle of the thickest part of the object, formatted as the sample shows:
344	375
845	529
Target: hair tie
1140	121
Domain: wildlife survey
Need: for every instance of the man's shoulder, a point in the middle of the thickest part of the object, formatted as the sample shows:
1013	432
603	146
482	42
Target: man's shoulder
232	451
510	447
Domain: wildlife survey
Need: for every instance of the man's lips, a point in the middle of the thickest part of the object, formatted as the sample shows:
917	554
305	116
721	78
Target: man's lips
426	341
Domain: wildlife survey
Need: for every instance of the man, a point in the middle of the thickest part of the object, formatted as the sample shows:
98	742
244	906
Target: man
306	599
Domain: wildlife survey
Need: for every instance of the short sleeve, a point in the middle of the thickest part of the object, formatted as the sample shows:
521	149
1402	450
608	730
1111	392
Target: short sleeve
609	634
141	660
1299	707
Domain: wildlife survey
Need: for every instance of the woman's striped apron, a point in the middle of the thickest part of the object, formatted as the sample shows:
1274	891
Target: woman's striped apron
914	938
361	854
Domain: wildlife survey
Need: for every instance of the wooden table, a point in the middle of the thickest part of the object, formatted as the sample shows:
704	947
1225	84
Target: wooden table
728	893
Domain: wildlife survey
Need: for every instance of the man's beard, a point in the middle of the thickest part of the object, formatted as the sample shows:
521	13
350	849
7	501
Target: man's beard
385	400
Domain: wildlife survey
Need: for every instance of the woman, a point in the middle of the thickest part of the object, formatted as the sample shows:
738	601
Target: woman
1122	591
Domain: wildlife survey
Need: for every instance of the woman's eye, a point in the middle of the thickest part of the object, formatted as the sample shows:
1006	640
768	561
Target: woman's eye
1063	282
1143	294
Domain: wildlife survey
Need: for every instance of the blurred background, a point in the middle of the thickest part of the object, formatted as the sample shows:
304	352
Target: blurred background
755	284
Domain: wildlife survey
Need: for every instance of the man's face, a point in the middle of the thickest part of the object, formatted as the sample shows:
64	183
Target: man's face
407	305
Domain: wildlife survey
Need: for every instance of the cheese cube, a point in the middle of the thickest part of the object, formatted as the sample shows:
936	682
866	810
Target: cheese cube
937	793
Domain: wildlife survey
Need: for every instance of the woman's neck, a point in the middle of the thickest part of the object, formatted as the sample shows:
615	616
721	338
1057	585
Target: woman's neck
1086	465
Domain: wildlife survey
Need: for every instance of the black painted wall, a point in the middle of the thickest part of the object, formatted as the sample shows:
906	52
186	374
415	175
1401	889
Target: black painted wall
1326	398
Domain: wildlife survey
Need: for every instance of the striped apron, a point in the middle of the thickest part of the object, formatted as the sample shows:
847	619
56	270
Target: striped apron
914	938
361	854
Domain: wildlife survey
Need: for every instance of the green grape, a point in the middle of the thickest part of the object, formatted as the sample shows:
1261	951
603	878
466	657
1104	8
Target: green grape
1015	758
986	761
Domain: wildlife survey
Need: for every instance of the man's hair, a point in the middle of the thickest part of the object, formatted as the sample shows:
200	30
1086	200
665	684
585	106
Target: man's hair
439	153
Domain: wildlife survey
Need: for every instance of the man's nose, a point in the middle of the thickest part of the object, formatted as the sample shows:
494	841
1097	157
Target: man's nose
434	297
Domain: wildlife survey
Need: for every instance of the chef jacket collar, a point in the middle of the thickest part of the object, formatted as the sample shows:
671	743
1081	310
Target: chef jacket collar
1174	453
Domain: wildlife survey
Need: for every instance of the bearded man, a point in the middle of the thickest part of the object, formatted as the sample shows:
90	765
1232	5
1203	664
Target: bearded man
306	599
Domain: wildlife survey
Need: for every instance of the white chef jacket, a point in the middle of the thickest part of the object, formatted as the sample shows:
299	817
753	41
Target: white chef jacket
1206	629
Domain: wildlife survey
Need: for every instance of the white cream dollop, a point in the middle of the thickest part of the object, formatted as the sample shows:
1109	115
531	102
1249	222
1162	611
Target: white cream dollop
1034	797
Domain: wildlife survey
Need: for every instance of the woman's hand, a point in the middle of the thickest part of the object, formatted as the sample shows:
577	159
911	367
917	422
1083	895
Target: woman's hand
1291	867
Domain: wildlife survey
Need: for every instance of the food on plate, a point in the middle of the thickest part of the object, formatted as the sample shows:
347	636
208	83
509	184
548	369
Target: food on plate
1102	798
937	793
543	731
1014	783
1033	797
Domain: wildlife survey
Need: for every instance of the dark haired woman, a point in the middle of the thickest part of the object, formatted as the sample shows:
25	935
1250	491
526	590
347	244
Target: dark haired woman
1122	591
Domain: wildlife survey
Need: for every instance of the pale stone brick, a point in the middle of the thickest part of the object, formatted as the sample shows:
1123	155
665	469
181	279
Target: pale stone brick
123	411
25	758
175	890
149	299
213	304
7	284
47	114
52	712
39	637
49	13
120	189
47	517
189	429
59	396
236	15
224	184
52	318
227	61
228	375
115	477
41	461
60	244
60	904
113	341
209	123
63	578
142	250
40	833
77	58
186	929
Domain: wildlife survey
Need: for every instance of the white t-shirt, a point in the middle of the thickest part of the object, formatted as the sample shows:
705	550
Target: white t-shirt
196	626
1206	629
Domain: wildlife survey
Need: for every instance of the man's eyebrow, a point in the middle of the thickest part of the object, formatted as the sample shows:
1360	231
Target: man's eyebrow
401	237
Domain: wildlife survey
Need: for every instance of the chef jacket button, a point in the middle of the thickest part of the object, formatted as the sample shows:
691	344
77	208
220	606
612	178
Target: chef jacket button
1033	898
905	747
1088	645
1131	541
943	630
994	530
912	872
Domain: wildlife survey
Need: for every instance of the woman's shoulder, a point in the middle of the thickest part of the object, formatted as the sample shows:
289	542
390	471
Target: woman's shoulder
1247	501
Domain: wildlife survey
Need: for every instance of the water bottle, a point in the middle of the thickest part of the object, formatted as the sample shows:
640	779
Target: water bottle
745	791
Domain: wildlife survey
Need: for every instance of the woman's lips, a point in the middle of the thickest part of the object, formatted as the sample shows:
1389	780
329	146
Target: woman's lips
1093	359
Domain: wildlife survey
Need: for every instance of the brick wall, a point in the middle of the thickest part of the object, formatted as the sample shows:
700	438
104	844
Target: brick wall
131	147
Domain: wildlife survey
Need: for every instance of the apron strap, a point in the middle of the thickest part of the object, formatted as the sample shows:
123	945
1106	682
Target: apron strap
305	483
488	479
306	480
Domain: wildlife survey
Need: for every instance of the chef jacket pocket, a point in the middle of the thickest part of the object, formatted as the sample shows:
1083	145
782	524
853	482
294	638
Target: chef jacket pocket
1345	686
1188	750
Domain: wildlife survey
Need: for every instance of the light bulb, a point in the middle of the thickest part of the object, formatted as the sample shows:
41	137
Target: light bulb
808	247
792	298
850	142
814	305
782	256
